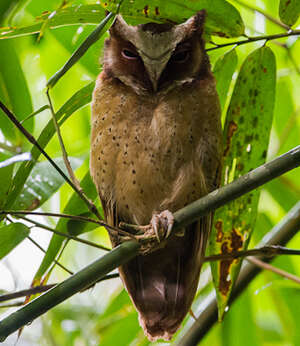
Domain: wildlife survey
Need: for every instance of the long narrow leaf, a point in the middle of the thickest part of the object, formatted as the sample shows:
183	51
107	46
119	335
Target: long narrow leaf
78	100
246	139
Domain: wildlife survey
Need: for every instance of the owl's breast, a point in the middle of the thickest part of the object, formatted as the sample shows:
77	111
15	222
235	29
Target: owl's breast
146	150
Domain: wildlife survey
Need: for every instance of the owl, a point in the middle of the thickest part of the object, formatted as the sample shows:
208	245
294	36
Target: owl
156	146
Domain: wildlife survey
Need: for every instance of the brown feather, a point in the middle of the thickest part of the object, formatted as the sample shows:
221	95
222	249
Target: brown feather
157	150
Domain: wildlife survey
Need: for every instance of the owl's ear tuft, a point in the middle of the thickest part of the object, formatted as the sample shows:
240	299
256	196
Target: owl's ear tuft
193	25
120	28
199	21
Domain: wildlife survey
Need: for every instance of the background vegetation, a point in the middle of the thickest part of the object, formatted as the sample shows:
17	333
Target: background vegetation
36	39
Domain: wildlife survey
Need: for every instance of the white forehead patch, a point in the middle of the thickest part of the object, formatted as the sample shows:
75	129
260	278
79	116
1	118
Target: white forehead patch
155	45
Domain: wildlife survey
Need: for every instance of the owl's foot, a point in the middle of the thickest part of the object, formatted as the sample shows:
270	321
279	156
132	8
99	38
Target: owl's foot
162	224
153	236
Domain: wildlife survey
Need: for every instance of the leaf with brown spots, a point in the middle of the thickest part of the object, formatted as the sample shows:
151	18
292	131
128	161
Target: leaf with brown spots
289	11
246	138
222	18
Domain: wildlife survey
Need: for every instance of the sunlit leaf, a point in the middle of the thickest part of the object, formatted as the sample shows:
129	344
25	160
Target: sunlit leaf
75	206
223	71
71	15
222	18
78	100
42	183
246	138
11	236
16	99
6	179
289	11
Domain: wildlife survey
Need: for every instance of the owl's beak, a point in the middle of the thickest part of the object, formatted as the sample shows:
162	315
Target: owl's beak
155	69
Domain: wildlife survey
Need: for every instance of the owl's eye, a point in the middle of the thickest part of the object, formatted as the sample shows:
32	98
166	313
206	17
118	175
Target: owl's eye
129	54
180	56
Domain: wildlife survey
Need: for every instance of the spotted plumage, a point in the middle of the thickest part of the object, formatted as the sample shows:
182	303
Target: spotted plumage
155	146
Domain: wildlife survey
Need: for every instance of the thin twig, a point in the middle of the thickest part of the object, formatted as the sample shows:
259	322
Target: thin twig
64	216
255	38
32	140
10	148
14	305
265	251
111	229
63	148
44	251
265	14
273	269
41	289
65	235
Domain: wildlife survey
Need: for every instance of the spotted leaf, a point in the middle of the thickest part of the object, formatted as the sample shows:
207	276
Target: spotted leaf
246	138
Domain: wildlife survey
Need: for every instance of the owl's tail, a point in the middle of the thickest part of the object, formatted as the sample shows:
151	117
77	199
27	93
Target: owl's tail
162	285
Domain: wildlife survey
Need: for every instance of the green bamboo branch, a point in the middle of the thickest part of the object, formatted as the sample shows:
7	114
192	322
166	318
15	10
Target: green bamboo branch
127	250
76	283
208	316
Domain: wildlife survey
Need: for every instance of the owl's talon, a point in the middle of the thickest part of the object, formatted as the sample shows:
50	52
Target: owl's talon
155	225
162	224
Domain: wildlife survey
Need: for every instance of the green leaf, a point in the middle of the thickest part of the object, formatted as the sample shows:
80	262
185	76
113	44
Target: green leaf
17	99
6	179
11	236
246	138
289	11
222	18
75	206
223	71
70	15
78	100
42	183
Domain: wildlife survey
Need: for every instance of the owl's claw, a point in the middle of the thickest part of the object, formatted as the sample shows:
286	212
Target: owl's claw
162	224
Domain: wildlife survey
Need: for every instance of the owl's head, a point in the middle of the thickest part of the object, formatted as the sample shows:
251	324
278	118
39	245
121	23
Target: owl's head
152	57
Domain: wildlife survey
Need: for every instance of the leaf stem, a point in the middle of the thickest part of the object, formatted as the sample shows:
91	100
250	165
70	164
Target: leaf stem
63	148
267	266
42	288
255	38
65	235
265	251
